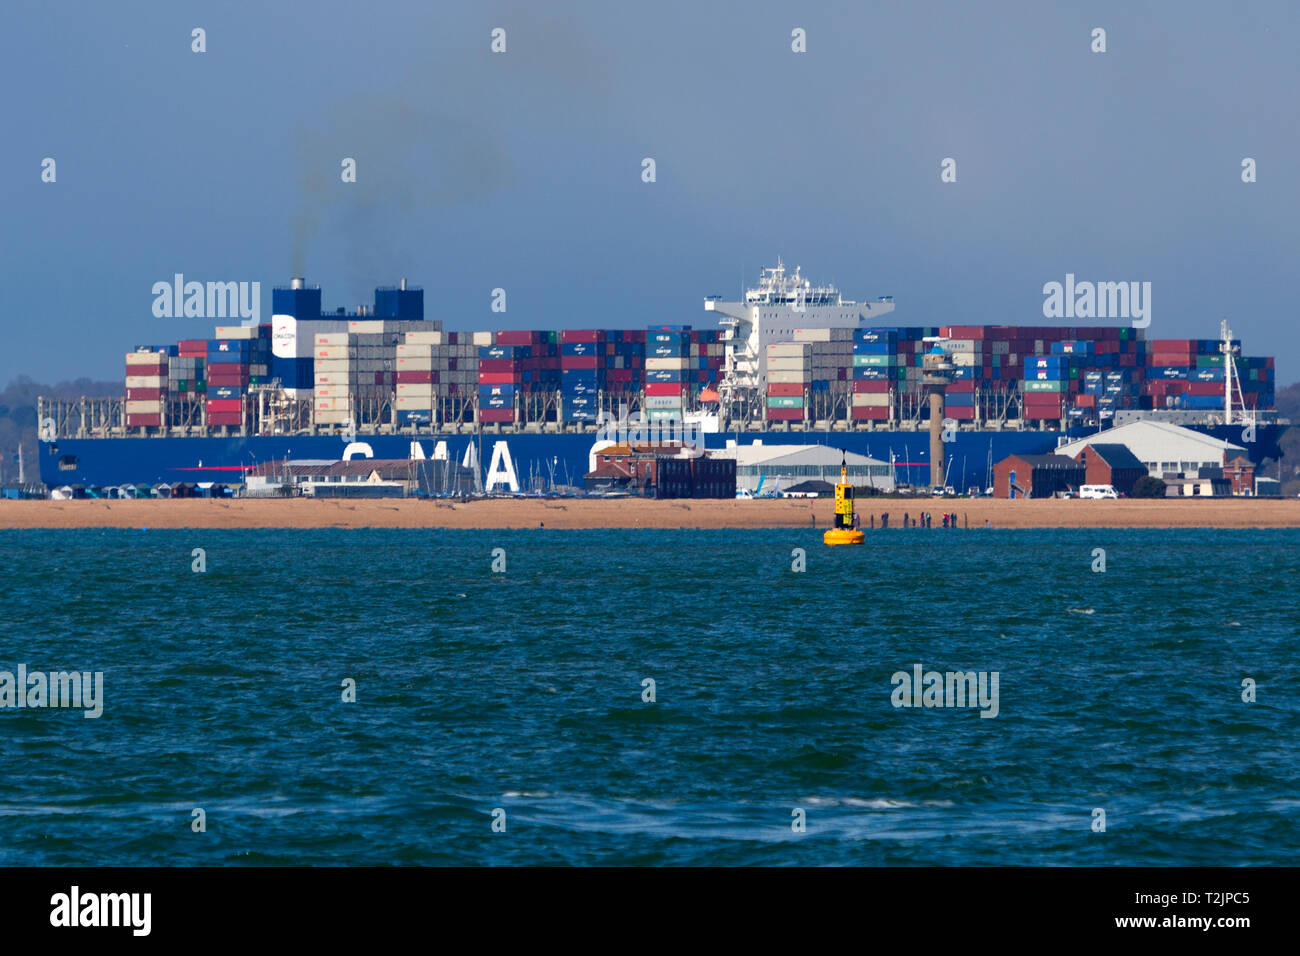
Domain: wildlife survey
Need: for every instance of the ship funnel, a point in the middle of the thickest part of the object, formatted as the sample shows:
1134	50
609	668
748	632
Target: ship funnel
297	282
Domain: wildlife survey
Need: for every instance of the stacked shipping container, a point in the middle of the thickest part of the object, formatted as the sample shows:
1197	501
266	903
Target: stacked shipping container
146	386
238	358
522	364
789	380
436	373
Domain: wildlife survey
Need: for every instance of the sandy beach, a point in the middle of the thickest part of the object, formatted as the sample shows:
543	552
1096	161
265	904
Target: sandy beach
637	513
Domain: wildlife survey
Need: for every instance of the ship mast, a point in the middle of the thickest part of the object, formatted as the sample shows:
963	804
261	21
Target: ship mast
1230	379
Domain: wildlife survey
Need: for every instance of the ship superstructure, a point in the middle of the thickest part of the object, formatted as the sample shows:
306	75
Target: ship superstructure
769	314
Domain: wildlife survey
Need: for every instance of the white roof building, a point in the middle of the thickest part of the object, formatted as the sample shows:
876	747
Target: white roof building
781	466
1163	448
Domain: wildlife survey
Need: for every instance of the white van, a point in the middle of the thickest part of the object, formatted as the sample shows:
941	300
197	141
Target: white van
1097	491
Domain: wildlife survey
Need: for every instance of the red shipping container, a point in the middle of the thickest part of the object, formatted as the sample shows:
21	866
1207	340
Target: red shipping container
872	387
961	413
516	337
665	388
784	389
224	404
962	385
869	413
582	335
224	418
499	378
785	414
1205	388
498	365
415	378
1086	401
581	362
138	420
147	394
193	345
496	414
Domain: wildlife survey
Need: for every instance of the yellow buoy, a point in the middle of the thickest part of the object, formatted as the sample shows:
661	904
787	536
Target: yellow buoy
845	529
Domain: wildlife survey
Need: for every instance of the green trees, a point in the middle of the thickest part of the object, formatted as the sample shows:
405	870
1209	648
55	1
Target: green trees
1148	487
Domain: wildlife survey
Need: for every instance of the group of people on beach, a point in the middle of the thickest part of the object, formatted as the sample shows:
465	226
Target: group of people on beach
923	520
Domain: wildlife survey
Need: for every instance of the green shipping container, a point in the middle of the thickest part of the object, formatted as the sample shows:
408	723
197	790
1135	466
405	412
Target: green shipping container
1039	385
874	361
785	401
1209	361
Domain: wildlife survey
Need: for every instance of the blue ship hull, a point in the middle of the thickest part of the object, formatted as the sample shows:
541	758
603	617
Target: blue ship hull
539	460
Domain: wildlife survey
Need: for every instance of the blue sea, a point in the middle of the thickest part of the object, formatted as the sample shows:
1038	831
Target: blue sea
500	716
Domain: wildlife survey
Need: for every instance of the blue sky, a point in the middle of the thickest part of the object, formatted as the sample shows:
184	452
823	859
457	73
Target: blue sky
522	170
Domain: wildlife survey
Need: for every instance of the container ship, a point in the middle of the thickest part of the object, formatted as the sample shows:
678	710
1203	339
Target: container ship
526	410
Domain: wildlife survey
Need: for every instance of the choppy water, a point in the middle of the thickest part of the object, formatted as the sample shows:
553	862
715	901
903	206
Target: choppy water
523	691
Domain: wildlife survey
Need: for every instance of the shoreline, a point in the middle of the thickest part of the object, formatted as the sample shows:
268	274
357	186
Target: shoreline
579	513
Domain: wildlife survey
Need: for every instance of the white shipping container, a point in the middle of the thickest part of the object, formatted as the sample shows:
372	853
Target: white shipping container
485	338
787	349
332	338
963	359
341	366
424	338
146	381
787	378
663	401
659	364
327	417
335	352
336	378
413	350
332	391
143	408
870	399
788	365
237	331
424	363
406	403
146	358
333	405
413	389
